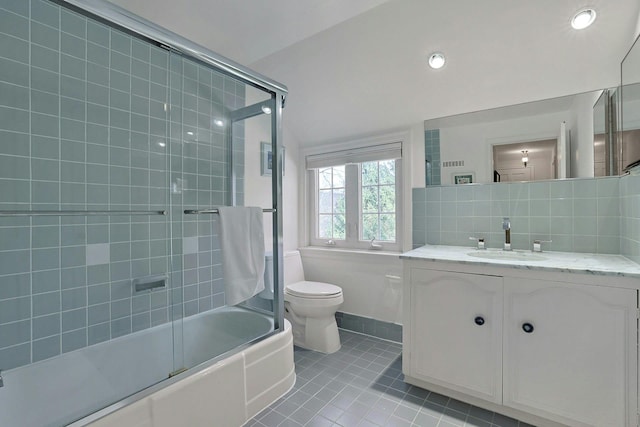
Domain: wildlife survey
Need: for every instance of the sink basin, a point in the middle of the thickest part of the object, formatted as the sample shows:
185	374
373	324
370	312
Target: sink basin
507	255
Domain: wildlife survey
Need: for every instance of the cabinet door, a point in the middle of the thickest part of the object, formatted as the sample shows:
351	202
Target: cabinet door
570	352
456	331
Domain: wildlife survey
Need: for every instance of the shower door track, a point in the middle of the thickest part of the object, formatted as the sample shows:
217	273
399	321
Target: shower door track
79	213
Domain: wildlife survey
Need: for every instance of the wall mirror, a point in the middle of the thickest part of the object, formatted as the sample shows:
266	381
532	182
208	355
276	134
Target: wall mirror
540	140
629	138
583	135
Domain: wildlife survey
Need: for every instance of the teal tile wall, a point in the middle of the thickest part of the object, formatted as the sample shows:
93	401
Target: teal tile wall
94	119
581	215
432	156
630	217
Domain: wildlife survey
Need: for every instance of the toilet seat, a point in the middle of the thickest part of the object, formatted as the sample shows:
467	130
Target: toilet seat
313	290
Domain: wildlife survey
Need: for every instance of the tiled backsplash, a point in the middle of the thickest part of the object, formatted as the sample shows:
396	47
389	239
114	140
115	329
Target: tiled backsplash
630	217
92	118
579	215
432	156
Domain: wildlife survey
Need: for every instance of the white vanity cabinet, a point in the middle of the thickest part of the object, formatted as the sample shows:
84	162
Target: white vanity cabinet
457	338
567	351
547	351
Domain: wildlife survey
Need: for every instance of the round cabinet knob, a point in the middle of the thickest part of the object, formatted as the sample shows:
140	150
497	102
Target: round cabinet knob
479	320
527	327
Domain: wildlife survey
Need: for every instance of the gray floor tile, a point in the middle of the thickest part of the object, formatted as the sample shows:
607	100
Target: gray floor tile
425	420
362	385
319	421
405	412
504	421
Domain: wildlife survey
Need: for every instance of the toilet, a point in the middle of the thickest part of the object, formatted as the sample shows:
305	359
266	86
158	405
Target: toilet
310	307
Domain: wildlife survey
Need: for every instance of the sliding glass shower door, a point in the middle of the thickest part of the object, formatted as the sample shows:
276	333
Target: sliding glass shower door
215	156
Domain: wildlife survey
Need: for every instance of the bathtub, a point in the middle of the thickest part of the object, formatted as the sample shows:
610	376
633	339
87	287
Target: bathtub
227	391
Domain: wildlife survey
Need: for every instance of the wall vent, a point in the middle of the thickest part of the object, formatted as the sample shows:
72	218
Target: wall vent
453	163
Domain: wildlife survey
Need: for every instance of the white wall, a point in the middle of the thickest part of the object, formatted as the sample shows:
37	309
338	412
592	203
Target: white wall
474	143
367	290
362	275
582	130
258	188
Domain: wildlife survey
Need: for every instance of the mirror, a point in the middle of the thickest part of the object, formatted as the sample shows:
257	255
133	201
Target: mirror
556	136
629	138
601	129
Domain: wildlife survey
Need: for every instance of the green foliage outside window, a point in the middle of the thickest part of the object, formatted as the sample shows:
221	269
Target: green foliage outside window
379	200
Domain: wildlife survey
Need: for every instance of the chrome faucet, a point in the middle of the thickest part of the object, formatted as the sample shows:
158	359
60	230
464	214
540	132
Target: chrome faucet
537	245
506	226
479	241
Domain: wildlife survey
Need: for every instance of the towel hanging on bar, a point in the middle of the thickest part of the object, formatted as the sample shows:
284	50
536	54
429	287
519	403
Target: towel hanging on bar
242	247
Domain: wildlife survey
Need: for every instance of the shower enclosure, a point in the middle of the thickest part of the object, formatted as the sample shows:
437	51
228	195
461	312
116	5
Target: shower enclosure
118	140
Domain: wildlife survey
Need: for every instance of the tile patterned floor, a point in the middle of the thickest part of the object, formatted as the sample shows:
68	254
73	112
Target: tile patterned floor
361	385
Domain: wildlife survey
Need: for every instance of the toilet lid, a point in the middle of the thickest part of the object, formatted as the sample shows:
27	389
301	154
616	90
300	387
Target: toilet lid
312	289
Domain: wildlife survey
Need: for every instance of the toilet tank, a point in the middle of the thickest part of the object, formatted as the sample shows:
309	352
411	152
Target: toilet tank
293	271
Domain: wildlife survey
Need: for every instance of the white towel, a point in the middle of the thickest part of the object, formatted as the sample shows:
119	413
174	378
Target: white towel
242	246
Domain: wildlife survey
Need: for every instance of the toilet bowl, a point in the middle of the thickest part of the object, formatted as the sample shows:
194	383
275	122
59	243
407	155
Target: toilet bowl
309	306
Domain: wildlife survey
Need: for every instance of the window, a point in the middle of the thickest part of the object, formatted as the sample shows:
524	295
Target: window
378	201
355	204
331	203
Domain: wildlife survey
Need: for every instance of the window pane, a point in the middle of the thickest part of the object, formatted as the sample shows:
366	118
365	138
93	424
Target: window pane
339	227
324	178
324	227
388	227
338	201
370	226
324	201
370	173
387	198
388	172
338	176
370	199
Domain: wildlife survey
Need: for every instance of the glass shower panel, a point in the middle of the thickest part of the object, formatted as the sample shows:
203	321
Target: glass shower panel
84	238
208	110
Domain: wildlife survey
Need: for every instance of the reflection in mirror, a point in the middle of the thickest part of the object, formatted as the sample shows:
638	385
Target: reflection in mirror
600	109
525	161
474	142
630	106
606	150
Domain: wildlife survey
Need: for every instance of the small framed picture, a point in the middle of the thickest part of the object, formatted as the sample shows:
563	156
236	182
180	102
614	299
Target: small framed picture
266	159
463	177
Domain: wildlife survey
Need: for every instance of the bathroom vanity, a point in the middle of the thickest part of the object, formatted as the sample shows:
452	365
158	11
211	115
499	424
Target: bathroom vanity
549	338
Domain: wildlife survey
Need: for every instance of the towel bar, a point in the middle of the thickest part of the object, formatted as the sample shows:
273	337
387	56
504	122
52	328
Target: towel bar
215	211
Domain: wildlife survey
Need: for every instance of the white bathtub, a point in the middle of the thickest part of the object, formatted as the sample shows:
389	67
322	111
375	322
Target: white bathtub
60	390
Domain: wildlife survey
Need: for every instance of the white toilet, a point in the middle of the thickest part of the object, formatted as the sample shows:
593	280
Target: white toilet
310	307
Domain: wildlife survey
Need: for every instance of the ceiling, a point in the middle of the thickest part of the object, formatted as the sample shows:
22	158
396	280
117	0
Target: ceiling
358	67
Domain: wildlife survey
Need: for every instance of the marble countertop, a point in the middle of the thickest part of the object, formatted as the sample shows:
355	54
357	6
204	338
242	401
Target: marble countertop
569	262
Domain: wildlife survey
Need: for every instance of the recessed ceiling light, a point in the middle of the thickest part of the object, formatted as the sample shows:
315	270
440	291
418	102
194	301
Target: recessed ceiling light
436	60
583	19
218	122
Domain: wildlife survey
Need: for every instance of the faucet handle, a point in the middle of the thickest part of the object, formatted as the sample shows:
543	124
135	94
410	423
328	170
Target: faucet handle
479	240
506	223
537	244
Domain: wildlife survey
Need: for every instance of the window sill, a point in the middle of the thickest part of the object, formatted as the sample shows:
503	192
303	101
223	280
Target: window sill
332	252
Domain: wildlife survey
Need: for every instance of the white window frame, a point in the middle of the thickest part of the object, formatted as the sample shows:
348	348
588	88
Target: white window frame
353	211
